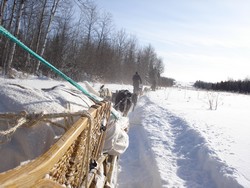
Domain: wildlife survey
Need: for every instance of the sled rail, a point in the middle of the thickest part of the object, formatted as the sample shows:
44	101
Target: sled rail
69	161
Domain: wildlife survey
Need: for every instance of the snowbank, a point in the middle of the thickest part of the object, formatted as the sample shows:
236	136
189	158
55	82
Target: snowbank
169	146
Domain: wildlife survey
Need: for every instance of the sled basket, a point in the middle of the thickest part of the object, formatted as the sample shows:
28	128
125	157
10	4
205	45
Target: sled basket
73	160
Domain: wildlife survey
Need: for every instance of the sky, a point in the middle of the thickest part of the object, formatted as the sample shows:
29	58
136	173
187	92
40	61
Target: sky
174	139
197	39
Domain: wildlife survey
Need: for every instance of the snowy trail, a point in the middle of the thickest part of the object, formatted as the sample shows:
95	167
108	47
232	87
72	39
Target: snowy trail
191	151
197	164
182	155
175	141
136	171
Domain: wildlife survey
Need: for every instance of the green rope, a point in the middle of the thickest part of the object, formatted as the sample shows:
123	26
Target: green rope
4	32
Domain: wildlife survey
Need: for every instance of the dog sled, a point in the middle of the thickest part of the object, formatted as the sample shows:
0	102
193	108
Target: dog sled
81	147
76	159
59	148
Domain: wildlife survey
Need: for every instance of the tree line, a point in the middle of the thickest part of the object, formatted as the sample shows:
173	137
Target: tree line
240	86
76	37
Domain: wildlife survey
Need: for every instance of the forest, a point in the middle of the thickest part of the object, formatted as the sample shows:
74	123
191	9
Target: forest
239	86
77	37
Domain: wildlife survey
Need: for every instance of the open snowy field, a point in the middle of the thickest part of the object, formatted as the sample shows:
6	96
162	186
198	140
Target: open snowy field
176	140
180	137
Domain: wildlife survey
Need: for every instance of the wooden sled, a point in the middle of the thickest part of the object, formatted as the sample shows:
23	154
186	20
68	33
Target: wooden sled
73	161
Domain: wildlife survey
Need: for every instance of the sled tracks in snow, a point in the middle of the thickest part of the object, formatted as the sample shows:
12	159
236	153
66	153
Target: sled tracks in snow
182	155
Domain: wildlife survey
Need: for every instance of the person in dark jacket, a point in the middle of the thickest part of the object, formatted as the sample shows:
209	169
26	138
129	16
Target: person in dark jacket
136	82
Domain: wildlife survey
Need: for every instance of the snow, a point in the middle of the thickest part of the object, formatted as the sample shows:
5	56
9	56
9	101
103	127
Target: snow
175	139
187	144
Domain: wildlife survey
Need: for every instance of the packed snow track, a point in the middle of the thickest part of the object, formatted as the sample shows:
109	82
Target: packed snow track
165	151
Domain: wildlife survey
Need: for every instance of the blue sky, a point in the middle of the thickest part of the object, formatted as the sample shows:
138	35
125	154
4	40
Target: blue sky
205	40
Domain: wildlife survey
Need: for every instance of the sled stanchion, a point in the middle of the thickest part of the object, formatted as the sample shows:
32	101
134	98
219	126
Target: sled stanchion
6	33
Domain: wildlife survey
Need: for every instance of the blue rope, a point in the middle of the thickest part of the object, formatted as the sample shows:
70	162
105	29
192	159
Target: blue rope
4	32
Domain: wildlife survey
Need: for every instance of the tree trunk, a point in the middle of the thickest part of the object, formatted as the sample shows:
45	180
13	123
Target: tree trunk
2	8
40	29
53	11
13	48
29	34
5	53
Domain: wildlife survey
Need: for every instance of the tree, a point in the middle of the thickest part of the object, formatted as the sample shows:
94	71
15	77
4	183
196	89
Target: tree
29	26
63	53
103	52
16	32
89	19
2	9
85	48
7	24
146	64
118	46
51	16
129	64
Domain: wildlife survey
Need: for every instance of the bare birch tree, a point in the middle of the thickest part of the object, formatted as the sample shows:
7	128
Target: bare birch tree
2	8
103	56
6	49
51	16
16	32
40	27
96	49
30	20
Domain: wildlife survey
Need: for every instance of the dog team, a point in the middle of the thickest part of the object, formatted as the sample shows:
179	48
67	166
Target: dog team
124	100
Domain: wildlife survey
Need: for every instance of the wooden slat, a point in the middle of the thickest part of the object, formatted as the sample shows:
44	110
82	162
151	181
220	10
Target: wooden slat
111	170
47	183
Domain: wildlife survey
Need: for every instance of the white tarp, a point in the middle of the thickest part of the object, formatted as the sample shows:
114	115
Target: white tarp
117	141
28	143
